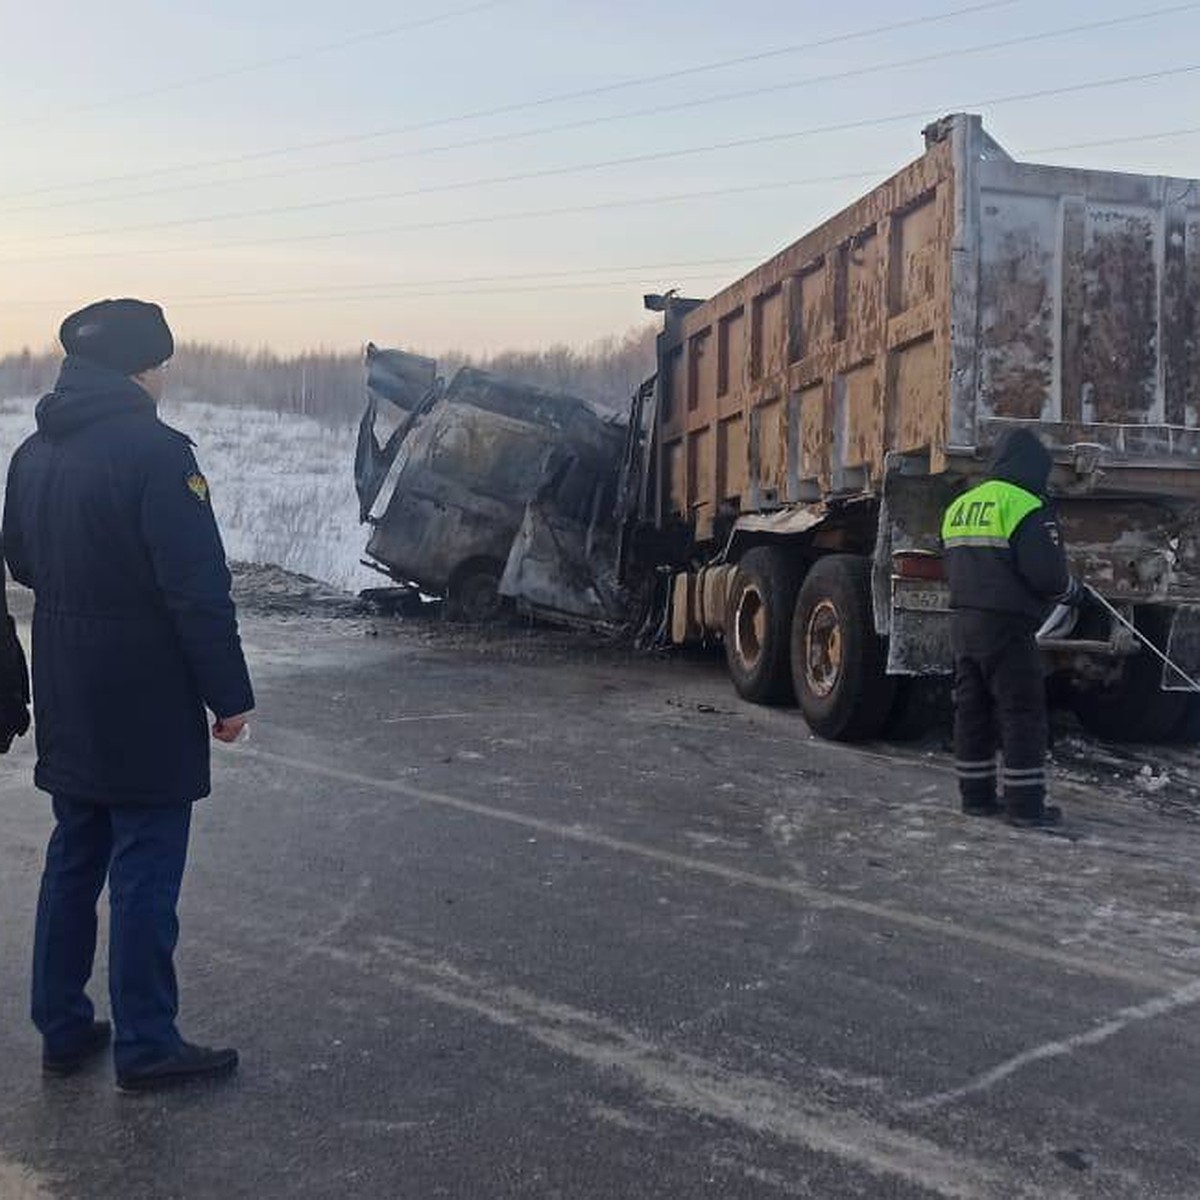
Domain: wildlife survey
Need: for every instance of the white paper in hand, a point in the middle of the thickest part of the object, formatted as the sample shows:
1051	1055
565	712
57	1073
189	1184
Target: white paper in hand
1059	624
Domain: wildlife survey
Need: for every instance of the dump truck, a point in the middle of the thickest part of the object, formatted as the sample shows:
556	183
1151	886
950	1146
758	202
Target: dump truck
452	478
808	425
785	469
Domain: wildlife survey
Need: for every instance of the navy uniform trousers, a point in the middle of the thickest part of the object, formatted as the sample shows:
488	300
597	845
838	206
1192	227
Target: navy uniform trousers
999	700
142	851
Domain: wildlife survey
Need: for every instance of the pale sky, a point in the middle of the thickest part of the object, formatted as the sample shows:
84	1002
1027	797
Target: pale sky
298	174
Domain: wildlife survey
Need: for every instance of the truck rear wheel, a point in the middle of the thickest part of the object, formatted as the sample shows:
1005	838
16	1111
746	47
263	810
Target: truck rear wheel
838	660
1135	708
758	618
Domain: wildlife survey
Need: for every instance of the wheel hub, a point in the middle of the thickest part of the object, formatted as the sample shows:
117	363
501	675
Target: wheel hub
750	626
823	648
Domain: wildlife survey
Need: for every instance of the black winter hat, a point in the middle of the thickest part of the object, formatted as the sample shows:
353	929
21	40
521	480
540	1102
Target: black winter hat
129	336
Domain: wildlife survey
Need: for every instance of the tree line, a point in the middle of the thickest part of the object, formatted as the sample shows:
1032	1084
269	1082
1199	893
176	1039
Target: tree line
330	385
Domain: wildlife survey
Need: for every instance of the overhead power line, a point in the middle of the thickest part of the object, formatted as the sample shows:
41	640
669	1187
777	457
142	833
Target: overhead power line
525	105
316	292
261	64
388	289
533	281
448	223
564	210
628	160
1129	139
454	286
624	285
656	110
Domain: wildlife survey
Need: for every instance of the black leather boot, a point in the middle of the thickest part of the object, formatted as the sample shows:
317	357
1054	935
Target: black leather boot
93	1043
188	1063
1049	817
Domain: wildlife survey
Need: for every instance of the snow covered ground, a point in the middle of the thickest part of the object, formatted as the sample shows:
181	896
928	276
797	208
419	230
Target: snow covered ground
282	485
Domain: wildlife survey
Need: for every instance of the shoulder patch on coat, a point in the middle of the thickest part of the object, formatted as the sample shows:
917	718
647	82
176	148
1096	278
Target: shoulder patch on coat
198	486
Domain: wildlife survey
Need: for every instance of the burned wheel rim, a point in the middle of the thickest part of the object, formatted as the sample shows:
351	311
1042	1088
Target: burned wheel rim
839	662
750	626
824	649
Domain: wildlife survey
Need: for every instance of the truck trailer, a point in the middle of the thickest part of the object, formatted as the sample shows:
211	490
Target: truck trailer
808	425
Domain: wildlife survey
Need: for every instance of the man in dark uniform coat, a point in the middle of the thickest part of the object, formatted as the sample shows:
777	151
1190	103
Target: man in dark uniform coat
107	518
1006	565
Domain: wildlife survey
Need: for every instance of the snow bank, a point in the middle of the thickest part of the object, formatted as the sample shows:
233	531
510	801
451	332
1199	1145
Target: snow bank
282	485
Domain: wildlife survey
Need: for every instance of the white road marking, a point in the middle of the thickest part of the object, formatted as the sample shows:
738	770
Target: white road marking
818	897
688	1083
458	716
1182	997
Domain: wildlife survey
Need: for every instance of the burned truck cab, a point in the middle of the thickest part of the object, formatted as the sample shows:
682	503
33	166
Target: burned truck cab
449	475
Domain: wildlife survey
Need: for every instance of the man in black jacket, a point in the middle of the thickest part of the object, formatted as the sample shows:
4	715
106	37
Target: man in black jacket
1006	564
107	518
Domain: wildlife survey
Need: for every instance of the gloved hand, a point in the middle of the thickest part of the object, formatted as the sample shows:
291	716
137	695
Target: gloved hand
1075	594
14	686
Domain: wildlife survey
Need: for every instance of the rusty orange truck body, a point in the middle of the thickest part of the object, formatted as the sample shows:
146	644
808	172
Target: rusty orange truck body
811	421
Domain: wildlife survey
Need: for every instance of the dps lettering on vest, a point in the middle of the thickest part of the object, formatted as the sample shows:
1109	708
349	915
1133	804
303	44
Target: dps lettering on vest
987	515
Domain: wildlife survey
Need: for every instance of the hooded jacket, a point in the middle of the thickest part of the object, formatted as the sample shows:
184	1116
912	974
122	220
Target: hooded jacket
1003	549
107	518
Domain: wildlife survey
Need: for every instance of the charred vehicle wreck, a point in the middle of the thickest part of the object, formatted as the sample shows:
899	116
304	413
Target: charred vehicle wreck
489	493
784	473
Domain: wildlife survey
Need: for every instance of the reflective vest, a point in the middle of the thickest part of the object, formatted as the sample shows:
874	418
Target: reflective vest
987	515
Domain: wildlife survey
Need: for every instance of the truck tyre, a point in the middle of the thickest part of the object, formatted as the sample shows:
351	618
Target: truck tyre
838	660
474	593
1134	708
758	618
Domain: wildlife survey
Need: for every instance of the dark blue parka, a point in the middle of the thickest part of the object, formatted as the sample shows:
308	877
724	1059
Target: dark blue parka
107	518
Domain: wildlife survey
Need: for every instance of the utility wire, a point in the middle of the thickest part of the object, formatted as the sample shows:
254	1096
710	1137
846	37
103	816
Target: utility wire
448	223
394	285
525	282
262	63
624	285
571	210
318	291
628	160
1158	136
656	110
525	105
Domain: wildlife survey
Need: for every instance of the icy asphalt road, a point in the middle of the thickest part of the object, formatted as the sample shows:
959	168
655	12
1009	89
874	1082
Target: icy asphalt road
506	917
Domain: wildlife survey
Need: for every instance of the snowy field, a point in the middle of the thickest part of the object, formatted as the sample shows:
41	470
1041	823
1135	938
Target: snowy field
282	485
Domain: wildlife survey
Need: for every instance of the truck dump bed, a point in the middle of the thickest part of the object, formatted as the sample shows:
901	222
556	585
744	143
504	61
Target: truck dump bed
968	291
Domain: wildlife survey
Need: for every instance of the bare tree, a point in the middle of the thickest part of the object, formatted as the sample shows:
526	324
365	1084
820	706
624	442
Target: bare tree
329	385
